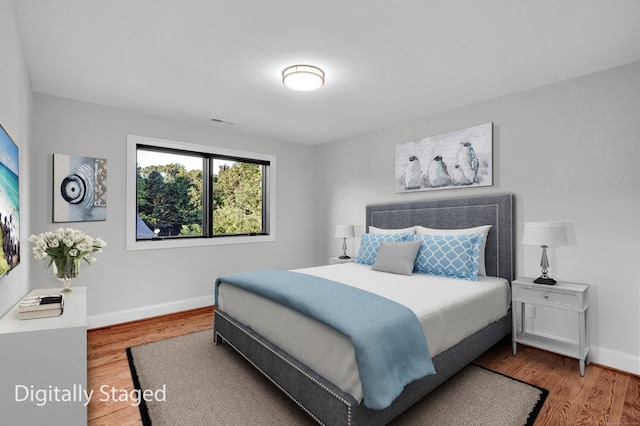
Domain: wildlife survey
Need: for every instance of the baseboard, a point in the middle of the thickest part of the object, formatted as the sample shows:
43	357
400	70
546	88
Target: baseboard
118	317
606	357
616	360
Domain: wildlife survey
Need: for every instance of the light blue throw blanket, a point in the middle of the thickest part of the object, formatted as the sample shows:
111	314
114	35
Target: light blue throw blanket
390	347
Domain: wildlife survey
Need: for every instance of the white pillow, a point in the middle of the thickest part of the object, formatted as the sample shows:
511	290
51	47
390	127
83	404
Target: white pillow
484	229
374	230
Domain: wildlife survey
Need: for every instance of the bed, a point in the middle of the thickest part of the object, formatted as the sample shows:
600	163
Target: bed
262	331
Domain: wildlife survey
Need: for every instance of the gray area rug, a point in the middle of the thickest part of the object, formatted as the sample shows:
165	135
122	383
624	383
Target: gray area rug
190	381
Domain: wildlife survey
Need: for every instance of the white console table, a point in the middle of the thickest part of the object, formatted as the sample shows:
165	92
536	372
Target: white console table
43	364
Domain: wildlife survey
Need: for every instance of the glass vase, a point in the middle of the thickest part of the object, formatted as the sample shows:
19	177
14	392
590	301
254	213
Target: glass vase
65	270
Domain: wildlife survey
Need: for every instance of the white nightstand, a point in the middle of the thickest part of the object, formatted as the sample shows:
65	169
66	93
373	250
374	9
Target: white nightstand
337	260
566	296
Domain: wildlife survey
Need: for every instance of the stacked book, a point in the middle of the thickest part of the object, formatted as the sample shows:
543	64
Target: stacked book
50	305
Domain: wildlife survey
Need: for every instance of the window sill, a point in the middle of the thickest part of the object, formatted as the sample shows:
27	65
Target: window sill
198	242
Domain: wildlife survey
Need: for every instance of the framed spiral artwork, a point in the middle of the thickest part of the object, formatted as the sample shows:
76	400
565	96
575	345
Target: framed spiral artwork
79	188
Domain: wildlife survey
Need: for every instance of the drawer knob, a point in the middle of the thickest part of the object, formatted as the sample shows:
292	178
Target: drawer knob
546	296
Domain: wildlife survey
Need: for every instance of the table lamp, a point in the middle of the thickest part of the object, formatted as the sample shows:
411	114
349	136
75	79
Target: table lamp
344	232
545	234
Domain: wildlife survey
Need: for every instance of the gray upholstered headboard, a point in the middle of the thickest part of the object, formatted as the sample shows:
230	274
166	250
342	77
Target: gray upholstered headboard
452	213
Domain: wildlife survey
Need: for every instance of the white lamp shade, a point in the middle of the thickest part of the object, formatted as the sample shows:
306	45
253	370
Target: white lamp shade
344	231
545	233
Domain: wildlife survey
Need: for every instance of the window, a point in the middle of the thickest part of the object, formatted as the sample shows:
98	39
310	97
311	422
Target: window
187	195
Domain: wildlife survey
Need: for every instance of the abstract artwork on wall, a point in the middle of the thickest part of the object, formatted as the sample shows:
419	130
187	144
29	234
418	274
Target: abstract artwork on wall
458	159
79	188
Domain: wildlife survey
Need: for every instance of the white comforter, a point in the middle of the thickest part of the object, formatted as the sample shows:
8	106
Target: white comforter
448	309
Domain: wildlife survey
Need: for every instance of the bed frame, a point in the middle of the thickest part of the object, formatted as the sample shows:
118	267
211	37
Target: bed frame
328	404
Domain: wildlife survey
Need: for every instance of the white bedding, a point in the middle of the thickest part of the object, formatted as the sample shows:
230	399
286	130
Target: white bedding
449	310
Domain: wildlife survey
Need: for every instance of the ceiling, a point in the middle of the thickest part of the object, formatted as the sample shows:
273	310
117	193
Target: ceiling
385	62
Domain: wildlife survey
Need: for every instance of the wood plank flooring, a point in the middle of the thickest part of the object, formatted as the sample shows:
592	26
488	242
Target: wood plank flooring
107	363
602	397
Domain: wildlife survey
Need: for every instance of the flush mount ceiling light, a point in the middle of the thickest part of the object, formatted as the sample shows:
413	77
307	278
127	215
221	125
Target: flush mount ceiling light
303	77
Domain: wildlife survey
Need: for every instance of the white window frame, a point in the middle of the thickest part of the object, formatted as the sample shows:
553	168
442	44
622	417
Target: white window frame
131	202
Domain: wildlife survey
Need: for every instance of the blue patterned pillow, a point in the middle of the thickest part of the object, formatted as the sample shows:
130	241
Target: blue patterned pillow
455	256
370	246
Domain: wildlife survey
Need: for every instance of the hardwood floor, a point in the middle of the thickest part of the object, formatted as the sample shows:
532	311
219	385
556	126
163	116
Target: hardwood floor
602	397
107	363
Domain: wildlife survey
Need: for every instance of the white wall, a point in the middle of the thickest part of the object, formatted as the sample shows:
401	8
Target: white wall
569	152
16	101
125	285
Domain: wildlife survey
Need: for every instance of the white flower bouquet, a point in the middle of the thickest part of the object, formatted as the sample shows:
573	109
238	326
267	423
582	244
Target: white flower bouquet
65	247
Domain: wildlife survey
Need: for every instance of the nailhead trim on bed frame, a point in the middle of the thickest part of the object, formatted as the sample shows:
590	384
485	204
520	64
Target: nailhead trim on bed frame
314	380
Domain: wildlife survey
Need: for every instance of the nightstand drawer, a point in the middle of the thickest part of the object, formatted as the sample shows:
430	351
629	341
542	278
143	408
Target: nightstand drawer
550	297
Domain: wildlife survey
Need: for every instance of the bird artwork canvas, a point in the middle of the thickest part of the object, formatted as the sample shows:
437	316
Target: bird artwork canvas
456	159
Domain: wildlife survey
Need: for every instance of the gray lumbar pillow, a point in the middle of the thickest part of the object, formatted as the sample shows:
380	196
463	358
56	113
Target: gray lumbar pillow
397	257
